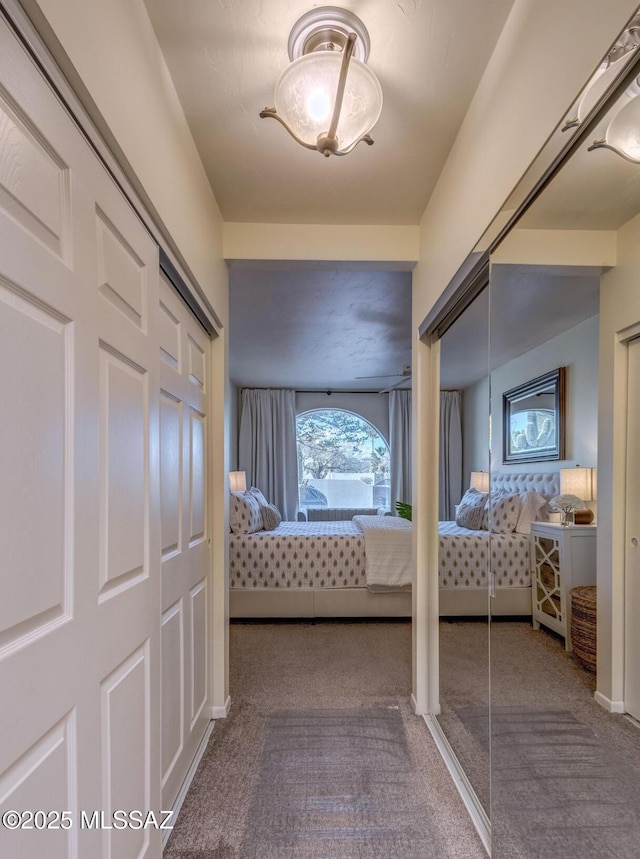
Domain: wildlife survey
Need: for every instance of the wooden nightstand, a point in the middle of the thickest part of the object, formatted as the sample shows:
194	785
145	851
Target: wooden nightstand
561	558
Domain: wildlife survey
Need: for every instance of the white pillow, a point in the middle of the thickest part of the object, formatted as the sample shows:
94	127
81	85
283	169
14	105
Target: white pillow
244	513
503	512
531	506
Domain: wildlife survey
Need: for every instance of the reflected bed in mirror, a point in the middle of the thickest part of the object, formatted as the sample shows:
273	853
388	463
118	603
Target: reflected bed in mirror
533	419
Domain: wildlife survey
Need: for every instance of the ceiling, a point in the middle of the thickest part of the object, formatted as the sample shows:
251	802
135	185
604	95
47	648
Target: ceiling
529	306
224	58
318	329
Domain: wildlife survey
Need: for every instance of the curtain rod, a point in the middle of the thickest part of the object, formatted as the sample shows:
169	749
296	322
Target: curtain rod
328	393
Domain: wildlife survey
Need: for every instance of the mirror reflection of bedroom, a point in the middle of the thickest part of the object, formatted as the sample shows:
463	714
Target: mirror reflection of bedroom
320	368
544	369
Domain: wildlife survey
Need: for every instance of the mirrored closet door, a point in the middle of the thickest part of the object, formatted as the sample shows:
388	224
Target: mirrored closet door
564	299
463	544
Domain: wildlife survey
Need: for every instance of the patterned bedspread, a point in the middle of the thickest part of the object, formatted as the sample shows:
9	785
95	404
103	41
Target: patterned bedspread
332	555
464	554
299	555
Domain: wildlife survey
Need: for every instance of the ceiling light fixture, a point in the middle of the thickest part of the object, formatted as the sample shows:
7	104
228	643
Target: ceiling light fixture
605	74
623	133
327	99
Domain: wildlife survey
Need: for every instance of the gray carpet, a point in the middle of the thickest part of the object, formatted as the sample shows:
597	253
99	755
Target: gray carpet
266	788
557	789
336	783
565	774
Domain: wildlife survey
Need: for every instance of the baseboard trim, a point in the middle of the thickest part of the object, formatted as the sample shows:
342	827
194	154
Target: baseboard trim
186	784
476	812
609	705
220	712
414	704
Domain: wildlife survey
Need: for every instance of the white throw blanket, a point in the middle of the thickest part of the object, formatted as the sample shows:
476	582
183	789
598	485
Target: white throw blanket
387	548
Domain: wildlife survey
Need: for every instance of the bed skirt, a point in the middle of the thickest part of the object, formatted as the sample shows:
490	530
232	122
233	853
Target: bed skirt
359	602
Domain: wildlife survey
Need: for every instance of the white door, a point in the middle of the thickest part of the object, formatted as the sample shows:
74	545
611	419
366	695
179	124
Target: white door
184	353
632	545
79	487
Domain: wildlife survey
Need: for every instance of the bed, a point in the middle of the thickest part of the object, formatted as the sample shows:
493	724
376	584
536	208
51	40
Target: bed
319	569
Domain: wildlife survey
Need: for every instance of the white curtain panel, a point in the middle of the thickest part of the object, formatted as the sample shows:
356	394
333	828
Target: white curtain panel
267	446
400	446
450	454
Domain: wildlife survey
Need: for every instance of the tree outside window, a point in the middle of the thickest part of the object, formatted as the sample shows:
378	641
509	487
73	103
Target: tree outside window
343	461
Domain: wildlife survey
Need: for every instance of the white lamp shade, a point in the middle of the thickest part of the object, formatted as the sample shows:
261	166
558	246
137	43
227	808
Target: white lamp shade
305	95
580	482
238	481
480	481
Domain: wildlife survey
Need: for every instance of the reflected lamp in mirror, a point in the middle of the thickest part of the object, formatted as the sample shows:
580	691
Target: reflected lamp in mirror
623	133
581	482
605	75
479	481
238	481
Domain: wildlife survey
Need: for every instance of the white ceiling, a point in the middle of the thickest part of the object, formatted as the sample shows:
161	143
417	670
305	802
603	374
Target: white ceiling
224	58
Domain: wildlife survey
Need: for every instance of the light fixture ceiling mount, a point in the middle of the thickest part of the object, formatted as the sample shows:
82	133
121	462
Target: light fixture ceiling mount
327	99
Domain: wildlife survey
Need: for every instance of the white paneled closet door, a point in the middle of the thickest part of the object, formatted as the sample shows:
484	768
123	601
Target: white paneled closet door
80	643
632	538
184	383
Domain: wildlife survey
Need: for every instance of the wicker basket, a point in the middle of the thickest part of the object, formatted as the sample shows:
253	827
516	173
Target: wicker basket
583	625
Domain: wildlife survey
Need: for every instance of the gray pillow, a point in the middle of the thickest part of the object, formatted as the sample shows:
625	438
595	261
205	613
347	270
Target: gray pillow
470	511
271	516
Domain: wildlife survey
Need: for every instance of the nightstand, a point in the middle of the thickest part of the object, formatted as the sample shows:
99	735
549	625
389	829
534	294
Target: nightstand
561	558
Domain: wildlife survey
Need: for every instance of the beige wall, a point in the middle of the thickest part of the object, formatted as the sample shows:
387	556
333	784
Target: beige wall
619	309
379	244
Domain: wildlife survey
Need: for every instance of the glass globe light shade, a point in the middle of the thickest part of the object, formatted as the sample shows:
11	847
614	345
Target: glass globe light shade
623	133
305	94
596	87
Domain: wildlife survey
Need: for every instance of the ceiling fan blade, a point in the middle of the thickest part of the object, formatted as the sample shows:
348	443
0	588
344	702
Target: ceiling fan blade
381	376
397	385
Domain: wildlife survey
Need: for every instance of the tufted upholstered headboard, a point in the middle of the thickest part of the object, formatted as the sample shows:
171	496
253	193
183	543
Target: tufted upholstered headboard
546	485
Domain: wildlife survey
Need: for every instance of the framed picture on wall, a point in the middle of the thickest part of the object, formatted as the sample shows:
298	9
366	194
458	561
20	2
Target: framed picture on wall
533	419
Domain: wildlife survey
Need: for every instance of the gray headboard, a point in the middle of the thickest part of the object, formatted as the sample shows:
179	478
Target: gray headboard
547	485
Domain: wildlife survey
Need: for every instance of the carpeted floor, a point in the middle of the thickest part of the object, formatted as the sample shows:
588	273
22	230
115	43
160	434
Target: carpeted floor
321	756
565	774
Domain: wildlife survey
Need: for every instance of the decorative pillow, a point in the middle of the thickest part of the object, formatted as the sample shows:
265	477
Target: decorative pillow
470	510
503	511
271	516
258	496
244	513
531	507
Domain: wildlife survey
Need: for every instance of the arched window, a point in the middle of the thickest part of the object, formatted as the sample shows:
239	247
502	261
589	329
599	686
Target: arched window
343	461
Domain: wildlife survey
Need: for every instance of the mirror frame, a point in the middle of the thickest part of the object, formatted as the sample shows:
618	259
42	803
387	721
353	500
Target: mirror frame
555	380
